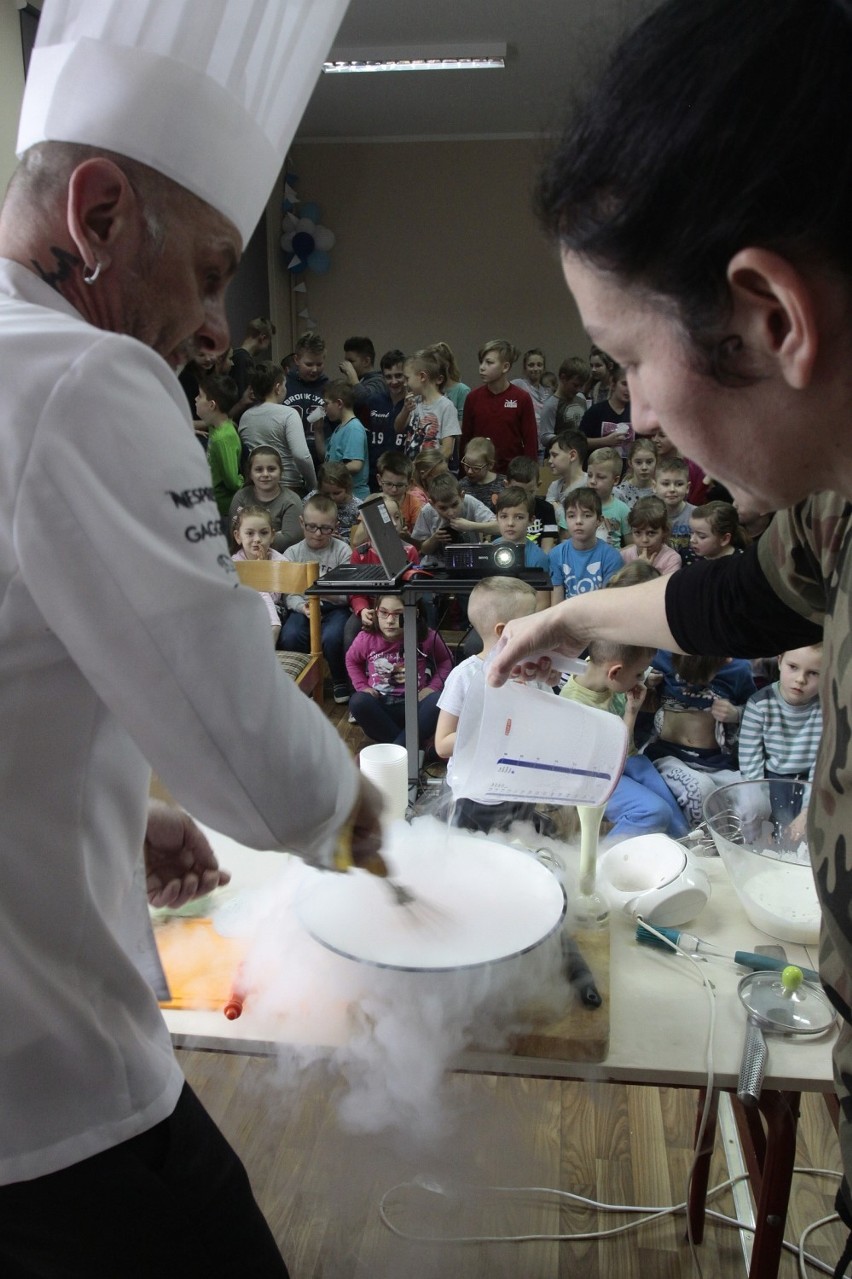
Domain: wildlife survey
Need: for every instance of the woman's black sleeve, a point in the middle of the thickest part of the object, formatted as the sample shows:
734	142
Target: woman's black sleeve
727	608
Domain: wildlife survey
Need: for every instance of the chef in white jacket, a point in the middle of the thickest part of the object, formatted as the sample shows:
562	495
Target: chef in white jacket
150	137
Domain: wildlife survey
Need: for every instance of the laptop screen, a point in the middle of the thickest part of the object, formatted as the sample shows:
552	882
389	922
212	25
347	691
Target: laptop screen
387	543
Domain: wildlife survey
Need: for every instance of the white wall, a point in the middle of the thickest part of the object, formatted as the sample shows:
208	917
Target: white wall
435	241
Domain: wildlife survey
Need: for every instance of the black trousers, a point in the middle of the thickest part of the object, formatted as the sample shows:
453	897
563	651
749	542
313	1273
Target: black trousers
173	1201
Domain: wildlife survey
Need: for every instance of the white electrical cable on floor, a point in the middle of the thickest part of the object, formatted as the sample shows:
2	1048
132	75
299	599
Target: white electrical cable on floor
652	1212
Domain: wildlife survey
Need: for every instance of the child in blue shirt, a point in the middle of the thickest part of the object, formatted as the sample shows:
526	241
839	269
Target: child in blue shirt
348	441
514	508
583	563
603	469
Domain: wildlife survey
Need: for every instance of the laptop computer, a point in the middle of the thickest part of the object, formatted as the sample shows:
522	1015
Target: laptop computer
387	544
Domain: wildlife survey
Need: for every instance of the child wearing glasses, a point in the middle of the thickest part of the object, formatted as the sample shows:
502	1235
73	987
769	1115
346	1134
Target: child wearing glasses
480	479
319	523
363	606
335	481
376	667
395	472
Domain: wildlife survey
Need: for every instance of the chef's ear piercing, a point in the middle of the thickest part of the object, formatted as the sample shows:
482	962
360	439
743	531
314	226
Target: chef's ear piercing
91	277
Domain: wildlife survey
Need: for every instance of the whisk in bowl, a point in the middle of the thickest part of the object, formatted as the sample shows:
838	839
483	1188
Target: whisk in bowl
419	910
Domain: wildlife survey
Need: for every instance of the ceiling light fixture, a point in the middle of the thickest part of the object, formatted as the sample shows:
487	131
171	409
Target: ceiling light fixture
426	58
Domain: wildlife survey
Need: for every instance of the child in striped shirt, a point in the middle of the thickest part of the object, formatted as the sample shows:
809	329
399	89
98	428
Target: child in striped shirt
781	728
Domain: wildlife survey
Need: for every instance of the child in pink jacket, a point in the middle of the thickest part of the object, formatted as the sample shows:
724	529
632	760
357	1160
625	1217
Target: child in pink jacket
376	667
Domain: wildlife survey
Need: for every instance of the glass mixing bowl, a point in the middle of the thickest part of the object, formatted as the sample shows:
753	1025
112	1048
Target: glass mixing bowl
754	828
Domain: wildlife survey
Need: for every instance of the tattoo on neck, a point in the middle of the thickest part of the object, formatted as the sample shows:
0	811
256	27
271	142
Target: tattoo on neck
65	263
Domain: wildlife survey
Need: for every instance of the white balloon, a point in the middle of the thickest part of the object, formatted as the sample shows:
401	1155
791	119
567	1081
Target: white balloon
305	224
287	242
323	238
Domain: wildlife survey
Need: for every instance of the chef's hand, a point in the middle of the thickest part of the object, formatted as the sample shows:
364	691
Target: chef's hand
366	821
179	861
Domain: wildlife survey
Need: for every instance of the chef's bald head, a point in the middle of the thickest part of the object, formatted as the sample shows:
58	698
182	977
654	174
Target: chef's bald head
42	177
131	250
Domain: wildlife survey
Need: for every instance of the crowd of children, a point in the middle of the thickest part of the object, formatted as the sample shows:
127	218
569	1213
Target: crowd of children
460	465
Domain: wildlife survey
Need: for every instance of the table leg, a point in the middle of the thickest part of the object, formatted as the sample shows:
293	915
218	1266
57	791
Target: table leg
701	1172
409	650
753	1141
770	1159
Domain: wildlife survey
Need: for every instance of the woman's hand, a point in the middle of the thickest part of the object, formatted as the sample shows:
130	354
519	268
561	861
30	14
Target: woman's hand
522	651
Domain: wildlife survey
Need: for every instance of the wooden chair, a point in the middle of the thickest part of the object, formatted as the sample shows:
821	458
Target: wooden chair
284	578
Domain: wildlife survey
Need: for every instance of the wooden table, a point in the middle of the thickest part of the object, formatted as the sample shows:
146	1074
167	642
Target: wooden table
659	1018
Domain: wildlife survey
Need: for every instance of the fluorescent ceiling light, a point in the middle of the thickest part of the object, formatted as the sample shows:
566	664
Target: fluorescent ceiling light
481	57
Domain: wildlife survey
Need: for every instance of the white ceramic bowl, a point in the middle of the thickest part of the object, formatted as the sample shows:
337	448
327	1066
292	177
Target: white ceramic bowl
654	877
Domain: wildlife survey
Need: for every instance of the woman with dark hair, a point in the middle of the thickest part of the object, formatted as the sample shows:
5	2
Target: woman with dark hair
702	260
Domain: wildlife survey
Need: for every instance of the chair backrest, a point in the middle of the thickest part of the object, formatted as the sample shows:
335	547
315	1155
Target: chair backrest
285	578
281	576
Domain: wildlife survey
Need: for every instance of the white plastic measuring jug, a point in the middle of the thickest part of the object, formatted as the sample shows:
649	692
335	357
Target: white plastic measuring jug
521	742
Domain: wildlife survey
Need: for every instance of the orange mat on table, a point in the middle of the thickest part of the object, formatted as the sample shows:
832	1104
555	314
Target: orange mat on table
202	968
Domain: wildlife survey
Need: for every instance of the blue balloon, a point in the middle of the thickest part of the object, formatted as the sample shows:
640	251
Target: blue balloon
319	261
310	210
303	244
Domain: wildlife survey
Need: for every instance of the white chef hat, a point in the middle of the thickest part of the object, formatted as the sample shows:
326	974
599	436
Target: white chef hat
207	92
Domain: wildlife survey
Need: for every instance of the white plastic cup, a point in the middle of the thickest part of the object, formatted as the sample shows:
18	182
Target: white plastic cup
386	765
526	744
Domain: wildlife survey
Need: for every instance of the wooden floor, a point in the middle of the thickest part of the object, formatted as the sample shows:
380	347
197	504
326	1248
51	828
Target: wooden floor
320	1186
